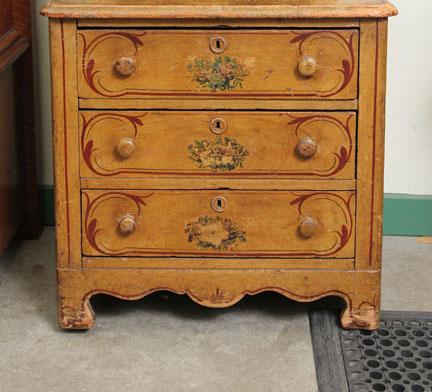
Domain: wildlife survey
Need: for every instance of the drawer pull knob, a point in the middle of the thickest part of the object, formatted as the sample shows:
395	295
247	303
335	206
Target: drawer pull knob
218	126
218	44
126	66
307	66
308	227
306	148
127	224
126	147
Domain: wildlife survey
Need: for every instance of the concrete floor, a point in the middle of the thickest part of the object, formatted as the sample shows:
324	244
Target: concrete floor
165	342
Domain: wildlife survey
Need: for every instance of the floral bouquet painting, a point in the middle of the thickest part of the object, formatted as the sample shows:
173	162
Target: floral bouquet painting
223	73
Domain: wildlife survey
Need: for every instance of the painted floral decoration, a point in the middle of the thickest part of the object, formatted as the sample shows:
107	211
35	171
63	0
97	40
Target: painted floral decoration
223	154
224	73
215	233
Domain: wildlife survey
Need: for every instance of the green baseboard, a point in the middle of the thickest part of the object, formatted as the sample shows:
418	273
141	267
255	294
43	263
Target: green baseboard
404	215
407	215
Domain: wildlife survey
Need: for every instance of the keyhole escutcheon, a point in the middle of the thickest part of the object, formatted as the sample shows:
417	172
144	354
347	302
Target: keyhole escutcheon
218	44
219	204
218	125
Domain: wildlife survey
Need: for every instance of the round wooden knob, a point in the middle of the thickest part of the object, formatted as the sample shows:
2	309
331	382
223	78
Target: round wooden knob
306	148
307	66
126	66
126	147
127	224
308	227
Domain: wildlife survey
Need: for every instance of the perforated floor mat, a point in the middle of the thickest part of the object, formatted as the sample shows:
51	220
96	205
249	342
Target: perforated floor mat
395	358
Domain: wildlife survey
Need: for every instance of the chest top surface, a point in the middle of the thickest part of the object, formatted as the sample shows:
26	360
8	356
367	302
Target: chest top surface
196	9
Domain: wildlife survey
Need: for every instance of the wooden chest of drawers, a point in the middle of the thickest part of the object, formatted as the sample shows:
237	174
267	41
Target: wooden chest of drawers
219	149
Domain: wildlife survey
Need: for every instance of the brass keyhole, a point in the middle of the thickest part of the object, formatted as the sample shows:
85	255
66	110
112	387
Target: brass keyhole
218	44
219	204
218	125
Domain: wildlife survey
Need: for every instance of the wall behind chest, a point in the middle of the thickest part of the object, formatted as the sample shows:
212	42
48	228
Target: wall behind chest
409	100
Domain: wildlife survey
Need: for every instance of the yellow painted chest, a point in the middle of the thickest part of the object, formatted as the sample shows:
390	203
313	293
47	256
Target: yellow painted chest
219	149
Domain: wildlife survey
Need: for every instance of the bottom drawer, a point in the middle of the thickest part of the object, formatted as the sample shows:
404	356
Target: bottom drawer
318	224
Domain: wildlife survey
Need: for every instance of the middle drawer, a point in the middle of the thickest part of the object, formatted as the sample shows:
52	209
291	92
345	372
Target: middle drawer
226	144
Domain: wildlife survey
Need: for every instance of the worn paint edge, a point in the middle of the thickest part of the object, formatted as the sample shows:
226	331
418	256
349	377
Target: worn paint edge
152	11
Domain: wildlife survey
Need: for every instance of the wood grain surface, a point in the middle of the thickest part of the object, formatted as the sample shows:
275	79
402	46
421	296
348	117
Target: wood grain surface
207	9
217	103
10	211
185	223
66	145
370	170
220	289
15	31
219	149
216	263
222	144
230	23
18	194
202	182
181	63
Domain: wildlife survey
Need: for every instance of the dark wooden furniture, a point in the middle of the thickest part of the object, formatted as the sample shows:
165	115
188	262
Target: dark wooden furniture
18	183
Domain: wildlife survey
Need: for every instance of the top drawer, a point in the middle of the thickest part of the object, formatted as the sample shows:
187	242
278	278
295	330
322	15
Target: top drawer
269	64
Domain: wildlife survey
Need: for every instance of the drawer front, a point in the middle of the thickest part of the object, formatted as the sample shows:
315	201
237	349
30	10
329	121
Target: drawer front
289	64
294	145
219	224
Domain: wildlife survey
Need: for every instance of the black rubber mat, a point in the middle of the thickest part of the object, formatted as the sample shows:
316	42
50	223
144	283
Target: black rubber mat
395	358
